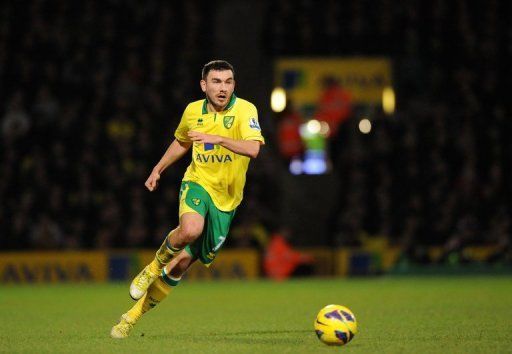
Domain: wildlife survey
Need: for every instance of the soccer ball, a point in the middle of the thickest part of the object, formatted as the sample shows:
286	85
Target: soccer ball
335	325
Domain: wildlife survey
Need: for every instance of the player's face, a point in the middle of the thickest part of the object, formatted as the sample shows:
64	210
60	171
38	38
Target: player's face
218	86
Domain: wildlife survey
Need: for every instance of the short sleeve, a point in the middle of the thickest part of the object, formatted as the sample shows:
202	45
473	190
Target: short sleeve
182	130
249	125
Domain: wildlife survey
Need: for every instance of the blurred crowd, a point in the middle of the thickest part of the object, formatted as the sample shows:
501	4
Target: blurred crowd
436	172
91	91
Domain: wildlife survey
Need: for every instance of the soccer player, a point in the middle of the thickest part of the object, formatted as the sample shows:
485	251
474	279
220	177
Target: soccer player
224	134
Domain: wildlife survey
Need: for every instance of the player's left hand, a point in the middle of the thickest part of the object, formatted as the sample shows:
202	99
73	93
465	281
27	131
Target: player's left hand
204	138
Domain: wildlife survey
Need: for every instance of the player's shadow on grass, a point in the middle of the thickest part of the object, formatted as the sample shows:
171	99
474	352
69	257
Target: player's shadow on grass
262	337
261	332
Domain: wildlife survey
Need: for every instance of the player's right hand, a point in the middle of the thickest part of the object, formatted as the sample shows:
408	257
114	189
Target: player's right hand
152	181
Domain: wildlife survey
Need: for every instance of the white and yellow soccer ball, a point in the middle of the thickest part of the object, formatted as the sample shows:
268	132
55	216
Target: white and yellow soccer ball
335	325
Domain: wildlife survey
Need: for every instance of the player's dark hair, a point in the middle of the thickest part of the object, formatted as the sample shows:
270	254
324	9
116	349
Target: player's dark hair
217	65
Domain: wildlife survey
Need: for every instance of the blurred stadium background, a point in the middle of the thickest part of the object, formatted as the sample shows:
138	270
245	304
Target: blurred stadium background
388	152
411	169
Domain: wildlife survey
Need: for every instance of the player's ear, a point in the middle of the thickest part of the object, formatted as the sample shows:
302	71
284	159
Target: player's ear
203	85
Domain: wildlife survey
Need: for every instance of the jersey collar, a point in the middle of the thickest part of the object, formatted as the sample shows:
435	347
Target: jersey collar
230	104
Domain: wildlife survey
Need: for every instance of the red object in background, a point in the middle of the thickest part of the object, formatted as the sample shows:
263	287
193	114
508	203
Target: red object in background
290	141
334	106
281	260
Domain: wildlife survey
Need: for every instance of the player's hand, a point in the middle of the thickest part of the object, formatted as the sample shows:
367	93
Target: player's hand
198	137
152	181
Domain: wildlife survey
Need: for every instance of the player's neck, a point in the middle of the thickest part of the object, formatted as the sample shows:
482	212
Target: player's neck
215	109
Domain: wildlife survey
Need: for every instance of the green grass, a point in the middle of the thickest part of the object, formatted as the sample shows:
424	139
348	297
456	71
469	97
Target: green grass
395	315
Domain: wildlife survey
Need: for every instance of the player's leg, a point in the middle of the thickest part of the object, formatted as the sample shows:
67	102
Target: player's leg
204	248
150	272
156	293
190	228
215	234
191	224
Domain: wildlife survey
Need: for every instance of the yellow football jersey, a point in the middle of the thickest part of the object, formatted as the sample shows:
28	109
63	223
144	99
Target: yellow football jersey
218	170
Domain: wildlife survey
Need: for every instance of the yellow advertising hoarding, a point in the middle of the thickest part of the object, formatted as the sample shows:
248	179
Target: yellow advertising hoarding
100	266
58	267
364	77
52	267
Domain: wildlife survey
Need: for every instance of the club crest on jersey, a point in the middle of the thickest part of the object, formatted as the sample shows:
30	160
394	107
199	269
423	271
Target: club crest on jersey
200	122
228	121
196	201
253	123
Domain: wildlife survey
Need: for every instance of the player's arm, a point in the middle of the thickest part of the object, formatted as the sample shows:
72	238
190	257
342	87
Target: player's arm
174	152
249	148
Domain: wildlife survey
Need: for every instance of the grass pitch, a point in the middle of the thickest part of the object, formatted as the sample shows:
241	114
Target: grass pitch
395	315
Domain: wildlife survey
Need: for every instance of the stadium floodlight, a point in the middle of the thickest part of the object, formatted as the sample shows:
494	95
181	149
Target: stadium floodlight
324	128
365	126
388	100
314	126
278	99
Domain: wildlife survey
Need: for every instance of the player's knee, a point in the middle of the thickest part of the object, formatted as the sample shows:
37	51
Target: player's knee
189	232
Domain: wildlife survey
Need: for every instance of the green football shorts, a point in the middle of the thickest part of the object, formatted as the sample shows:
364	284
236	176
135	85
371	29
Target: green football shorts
194	198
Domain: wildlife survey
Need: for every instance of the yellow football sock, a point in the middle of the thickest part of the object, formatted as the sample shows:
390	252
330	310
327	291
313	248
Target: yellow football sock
163	256
157	292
